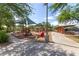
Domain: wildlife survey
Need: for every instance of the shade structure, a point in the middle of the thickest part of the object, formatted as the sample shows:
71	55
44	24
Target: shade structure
28	21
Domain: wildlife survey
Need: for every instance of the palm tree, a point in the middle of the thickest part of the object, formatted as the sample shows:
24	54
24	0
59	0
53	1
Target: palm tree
69	15
66	14
8	11
57	7
19	9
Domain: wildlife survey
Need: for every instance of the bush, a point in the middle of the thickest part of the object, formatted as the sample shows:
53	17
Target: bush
3	37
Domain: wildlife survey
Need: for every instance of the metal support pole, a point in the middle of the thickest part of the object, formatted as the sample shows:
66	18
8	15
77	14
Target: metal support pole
47	36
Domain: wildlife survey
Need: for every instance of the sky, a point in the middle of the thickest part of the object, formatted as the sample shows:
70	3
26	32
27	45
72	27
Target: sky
39	14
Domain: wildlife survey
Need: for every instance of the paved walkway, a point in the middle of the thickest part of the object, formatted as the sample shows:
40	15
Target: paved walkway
61	39
65	43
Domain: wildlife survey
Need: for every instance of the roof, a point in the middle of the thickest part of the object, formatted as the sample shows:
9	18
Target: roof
65	25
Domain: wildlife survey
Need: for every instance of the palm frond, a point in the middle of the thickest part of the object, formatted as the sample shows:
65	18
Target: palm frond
57	6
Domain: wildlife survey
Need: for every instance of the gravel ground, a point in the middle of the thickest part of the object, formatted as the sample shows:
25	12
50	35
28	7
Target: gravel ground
24	47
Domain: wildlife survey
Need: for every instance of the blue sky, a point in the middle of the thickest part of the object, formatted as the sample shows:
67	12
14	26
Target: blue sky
39	14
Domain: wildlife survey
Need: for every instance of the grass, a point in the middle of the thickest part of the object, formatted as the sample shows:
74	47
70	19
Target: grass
75	38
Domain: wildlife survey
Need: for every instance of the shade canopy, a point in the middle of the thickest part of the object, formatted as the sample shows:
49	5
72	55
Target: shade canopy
30	21
27	21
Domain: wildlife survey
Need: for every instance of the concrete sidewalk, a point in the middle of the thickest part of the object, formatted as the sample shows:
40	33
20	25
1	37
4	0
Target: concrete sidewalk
61	39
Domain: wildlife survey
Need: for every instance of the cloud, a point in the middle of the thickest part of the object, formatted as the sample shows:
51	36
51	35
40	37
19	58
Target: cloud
54	23
50	17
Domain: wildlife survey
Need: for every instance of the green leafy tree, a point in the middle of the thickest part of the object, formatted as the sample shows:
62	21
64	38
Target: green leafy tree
43	25
67	12
8	11
57	7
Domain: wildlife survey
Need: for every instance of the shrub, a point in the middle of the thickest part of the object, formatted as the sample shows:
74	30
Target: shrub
3	37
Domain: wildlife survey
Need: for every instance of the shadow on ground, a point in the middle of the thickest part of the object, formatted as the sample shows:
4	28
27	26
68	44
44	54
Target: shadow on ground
44	49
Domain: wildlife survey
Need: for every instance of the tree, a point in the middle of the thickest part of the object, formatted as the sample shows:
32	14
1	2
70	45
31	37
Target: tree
57	7
67	12
19	9
64	16
69	15
43	25
8	11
